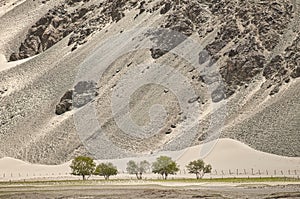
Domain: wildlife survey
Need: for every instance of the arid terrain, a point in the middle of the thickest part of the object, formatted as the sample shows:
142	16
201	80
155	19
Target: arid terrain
121	80
235	64
151	191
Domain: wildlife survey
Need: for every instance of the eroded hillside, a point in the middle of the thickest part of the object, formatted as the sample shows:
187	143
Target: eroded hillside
246	85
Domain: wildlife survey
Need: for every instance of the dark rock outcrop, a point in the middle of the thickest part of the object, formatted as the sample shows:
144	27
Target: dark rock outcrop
65	103
253	29
59	23
49	30
218	94
247	31
284	66
83	93
296	72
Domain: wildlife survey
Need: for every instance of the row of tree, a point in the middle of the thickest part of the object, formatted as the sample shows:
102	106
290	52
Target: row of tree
85	166
164	165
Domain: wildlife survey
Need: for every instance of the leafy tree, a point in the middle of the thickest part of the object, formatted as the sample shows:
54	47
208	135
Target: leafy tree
137	168
164	165
83	166
106	170
199	168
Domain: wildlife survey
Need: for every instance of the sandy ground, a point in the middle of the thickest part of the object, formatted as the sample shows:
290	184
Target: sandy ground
226	156
150	191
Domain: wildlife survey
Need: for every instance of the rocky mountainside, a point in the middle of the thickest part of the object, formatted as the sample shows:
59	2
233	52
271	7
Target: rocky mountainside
246	86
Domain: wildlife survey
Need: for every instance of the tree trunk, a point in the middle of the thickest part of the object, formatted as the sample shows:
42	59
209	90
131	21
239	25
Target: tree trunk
141	174
166	176
83	177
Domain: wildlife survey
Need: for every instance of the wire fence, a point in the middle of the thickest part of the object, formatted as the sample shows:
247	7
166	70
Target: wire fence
182	174
242	173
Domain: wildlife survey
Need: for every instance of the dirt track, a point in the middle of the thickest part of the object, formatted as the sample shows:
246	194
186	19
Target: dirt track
149	191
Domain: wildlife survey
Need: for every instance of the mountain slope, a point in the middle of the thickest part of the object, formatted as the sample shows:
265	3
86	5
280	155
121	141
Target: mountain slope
245	79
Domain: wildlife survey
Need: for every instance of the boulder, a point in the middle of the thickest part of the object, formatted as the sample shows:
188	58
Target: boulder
166	8
65	103
63	106
218	94
296	72
84	92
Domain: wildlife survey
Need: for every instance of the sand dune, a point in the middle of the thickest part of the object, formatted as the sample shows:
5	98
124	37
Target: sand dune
226	155
232	154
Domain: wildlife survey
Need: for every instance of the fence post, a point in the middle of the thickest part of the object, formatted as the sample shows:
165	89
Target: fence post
252	171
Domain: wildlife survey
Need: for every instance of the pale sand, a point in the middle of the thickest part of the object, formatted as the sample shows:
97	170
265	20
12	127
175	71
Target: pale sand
226	155
232	154
5	65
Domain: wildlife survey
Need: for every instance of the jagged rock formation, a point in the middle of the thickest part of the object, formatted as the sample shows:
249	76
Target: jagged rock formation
253	28
59	22
283	67
50	29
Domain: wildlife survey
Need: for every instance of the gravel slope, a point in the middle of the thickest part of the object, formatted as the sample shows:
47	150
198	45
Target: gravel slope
256	102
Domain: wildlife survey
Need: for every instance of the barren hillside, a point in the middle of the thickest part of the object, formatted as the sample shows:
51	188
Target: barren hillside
123	78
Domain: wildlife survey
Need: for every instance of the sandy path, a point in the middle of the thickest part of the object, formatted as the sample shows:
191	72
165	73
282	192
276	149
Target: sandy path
149	191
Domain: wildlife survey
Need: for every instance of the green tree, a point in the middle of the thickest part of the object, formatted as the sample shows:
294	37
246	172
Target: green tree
164	166
137	168
199	168
106	170
83	166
